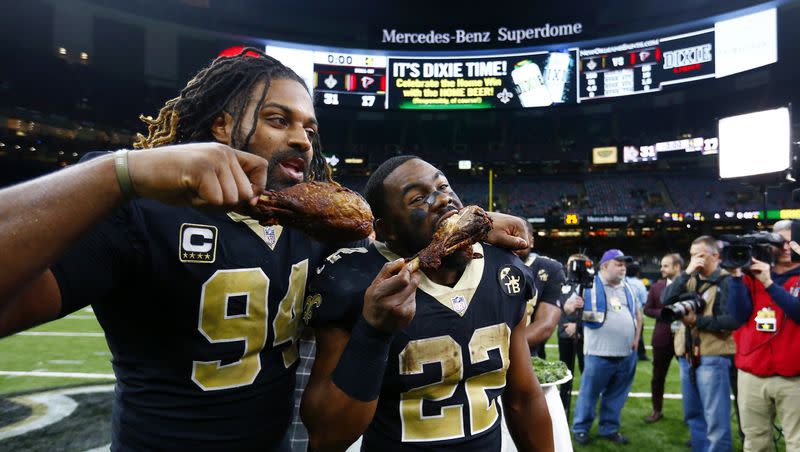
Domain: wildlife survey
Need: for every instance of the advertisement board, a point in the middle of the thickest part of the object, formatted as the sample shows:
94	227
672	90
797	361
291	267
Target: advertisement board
503	81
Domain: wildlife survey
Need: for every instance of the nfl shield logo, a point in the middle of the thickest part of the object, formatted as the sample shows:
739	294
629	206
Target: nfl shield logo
459	303
269	236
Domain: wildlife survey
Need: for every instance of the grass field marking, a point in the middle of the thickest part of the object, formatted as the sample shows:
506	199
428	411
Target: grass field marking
45	373
59	333
80	317
647	395
646	347
48	408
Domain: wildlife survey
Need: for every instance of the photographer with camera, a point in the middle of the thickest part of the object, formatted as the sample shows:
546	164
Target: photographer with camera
580	275
703	343
663	338
768	345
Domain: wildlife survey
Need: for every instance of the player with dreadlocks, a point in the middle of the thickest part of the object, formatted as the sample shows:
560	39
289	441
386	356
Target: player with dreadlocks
200	307
224	86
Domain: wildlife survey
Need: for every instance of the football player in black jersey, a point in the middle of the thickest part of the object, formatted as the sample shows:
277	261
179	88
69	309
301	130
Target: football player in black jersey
200	307
543	309
416	361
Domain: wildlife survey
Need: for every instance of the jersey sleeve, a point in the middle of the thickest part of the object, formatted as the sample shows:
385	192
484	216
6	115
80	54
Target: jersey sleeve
101	260
335	294
555	279
524	306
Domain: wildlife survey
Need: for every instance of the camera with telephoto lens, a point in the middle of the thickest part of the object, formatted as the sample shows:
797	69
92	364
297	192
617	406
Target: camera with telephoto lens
739	250
675	310
580	272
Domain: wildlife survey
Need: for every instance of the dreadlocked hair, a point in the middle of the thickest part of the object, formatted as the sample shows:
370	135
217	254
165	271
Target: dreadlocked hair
223	86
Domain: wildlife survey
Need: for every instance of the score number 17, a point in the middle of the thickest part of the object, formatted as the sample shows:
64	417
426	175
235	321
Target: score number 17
333	99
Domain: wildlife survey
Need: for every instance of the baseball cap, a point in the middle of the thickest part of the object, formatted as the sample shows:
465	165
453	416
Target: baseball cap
615	254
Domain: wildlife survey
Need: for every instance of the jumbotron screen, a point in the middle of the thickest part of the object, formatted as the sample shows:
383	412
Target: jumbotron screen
533	78
523	80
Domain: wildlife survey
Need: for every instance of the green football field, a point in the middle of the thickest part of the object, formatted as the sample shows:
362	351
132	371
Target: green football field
72	351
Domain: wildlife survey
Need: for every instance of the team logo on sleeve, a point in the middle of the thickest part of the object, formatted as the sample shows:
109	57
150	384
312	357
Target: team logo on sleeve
510	279
198	243
312	301
542	275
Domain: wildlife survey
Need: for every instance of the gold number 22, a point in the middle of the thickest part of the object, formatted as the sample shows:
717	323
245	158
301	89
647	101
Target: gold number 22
251	327
448	423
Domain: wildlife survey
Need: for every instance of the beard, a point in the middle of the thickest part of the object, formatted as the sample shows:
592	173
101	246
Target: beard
276	180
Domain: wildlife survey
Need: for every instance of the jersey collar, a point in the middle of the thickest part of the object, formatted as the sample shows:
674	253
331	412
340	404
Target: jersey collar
269	234
449	297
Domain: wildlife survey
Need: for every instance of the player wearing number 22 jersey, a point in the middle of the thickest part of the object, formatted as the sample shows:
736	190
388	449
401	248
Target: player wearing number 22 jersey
208	363
438	376
448	367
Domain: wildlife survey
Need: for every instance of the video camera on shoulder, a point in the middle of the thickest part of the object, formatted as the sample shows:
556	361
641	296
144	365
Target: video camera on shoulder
739	250
581	272
679	306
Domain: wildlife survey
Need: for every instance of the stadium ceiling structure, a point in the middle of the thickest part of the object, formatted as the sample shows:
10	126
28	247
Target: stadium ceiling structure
352	23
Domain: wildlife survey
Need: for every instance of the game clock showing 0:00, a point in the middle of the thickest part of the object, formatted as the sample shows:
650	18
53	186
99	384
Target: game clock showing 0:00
350	80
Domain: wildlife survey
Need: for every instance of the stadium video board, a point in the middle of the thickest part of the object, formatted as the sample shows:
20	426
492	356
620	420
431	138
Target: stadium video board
645	66
487	79
350	80
522	80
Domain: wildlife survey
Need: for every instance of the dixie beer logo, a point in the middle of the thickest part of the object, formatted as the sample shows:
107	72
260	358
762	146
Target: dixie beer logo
687	59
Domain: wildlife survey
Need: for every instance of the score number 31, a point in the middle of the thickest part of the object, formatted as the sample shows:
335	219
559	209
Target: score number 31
333	99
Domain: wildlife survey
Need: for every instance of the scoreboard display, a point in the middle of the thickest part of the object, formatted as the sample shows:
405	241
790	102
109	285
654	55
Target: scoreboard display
619	70
350	80
504	81
645	66
534	78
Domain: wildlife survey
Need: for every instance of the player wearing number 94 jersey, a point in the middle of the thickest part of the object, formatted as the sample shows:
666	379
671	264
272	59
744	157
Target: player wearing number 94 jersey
200	308
416	361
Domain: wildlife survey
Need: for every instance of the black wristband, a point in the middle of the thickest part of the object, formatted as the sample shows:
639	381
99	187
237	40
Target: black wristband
359	373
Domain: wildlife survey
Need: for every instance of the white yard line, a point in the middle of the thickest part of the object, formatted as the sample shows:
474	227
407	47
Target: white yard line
646	347
80	317
637	395
59	333
39	373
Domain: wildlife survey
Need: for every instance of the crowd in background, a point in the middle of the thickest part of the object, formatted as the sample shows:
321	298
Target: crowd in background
733	332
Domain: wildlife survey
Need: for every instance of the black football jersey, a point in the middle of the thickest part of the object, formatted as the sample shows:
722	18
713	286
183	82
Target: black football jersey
447	368
548	277
201	312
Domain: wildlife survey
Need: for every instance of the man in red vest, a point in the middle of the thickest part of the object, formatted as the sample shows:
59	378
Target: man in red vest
768	348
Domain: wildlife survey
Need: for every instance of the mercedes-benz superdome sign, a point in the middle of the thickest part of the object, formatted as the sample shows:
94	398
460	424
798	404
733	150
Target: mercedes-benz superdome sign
540	77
